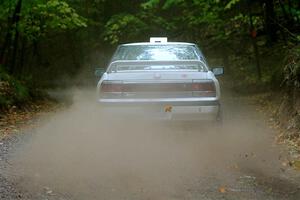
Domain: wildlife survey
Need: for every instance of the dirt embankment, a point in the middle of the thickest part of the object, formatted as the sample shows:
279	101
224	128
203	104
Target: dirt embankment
283	111
280	99
14	119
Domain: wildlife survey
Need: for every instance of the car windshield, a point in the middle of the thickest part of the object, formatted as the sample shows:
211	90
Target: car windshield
156	52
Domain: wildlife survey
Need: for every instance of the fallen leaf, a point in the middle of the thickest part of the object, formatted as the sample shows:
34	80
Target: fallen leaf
234	166
269	190
285	164
222	189
296	165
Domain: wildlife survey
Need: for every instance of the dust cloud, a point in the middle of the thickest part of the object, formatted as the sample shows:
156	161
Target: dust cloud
82	153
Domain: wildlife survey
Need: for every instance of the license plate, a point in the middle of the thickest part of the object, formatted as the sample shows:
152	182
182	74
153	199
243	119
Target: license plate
187	109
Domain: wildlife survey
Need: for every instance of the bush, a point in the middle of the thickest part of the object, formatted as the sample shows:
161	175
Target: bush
292	68
12	91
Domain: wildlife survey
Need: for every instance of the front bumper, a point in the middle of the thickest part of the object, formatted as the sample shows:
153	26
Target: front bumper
163	109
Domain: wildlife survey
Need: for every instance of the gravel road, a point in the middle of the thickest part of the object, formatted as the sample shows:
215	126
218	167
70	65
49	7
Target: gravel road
79	153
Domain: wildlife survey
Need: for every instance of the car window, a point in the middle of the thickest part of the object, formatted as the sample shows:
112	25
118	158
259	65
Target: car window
156	52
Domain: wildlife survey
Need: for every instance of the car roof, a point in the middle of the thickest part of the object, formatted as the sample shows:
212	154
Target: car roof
151	43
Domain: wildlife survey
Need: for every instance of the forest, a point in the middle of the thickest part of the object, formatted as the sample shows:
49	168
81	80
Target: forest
62	137
52	148
51	43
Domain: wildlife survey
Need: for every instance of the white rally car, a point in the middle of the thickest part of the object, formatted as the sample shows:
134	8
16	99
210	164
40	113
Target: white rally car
160	79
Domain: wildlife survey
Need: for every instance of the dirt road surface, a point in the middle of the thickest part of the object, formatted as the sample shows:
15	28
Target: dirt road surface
80	153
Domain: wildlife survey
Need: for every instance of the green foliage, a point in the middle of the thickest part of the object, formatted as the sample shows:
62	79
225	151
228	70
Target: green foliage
123	27
231	3
150	4
221	28
194	20
54	15
170	3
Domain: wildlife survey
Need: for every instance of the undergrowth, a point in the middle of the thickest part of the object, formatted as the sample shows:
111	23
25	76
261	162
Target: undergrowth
12	91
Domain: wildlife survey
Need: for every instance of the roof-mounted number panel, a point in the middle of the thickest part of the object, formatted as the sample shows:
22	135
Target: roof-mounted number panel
158	40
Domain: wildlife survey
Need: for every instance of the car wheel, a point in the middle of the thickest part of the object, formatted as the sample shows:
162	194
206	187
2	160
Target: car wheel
219	118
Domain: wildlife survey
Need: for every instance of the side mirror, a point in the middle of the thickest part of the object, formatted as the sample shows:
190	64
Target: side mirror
218	71
99	72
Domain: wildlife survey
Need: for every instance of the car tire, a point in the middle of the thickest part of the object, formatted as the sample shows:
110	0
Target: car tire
219	118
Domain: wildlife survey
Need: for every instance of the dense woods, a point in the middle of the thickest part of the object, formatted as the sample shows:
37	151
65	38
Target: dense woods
46	43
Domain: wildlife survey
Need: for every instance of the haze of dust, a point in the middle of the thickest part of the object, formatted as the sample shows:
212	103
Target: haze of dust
81	153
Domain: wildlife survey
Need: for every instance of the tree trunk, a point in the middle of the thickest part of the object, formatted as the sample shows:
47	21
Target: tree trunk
226	60
253	39
16	19
7	43
270	19
13	20
22	56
